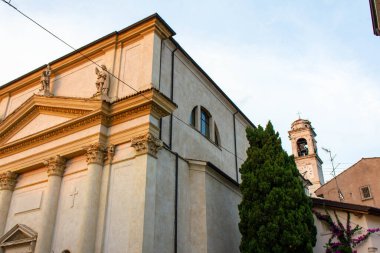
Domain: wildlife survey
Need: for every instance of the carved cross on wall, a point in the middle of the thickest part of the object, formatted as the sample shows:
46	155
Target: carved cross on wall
73	195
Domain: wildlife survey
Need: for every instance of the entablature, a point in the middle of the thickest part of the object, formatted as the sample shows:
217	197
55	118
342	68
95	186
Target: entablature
69	137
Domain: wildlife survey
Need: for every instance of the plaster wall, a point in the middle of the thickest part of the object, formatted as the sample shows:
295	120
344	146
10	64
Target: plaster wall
78	81
364	220
190	89
125	212
223	234
374	239
19	98
165	203
41	122
27	200
136	62
364	173
70	207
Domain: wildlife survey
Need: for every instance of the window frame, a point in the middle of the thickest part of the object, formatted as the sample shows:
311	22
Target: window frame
205	123
369	191
193	116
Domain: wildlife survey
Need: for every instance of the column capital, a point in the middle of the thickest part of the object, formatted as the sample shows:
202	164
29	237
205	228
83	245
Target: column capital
146	144
8	180
56	165
95	153
110	152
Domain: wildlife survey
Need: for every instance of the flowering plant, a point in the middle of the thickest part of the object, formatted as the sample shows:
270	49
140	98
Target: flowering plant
342	239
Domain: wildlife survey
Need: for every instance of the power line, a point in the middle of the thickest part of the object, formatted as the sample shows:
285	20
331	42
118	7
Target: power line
93	62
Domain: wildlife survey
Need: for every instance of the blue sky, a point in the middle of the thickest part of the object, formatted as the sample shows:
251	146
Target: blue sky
273	58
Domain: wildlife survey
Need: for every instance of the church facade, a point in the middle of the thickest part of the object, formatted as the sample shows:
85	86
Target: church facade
125	145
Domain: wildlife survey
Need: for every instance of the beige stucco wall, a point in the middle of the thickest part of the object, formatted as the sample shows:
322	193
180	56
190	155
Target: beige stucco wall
17	99
364	173
364	220
222	215
41	122
27	200
137	192
70	208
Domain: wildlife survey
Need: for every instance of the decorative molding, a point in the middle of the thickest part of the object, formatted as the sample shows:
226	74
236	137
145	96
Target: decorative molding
17	125
95	113
50	134
8	180
95	153
56	166
146	144
20	236
110	152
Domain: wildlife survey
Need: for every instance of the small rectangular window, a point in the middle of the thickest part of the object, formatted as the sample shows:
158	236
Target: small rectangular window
365	192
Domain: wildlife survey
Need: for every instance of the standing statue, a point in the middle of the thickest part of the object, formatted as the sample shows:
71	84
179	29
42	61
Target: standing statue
101	81
45	81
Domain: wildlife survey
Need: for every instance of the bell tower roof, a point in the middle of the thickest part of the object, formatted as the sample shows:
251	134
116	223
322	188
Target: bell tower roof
301	125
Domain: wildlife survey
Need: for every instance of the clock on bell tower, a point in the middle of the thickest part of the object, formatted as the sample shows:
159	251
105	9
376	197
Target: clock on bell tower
304	148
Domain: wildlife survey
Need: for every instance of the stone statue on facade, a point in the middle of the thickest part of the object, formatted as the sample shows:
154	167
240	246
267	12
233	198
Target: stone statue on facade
45	82
102	85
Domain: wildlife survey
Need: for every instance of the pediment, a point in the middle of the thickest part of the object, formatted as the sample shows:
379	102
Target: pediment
40	113
19	234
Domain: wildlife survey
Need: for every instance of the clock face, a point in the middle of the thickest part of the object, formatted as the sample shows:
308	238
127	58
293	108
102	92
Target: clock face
307	171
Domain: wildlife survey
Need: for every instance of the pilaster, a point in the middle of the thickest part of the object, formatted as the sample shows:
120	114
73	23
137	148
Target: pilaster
146	144
96	155
8	182
56	167
104	200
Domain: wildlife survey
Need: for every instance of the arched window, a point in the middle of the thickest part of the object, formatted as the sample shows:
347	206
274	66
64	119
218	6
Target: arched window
217	136
205	123
193	116
302	148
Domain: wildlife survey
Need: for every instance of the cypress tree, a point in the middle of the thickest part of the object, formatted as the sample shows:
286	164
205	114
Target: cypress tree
275	213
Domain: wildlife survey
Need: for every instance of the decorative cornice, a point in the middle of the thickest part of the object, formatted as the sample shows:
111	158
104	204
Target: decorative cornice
146	144
50	134
30	115
8	180
56	166
95	153
152	102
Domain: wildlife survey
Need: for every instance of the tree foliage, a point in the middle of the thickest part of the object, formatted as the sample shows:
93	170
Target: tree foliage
275	213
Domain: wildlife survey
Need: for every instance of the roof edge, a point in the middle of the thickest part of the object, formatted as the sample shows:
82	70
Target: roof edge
345	206
211	81
153	16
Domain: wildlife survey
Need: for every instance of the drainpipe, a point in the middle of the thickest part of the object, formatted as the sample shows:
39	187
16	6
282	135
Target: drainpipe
236	161
176	205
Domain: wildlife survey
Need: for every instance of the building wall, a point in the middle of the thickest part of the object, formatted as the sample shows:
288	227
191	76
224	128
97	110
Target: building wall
364	173
70	207
27	200
222	201
190	89
137	192
364	220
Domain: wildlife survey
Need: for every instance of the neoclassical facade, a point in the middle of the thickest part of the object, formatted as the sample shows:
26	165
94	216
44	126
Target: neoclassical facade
137	150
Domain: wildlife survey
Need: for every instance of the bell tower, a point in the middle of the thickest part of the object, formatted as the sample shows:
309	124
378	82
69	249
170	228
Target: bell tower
304	148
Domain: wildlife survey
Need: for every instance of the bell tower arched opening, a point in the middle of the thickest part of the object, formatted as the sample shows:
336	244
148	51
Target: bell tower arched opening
302	147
